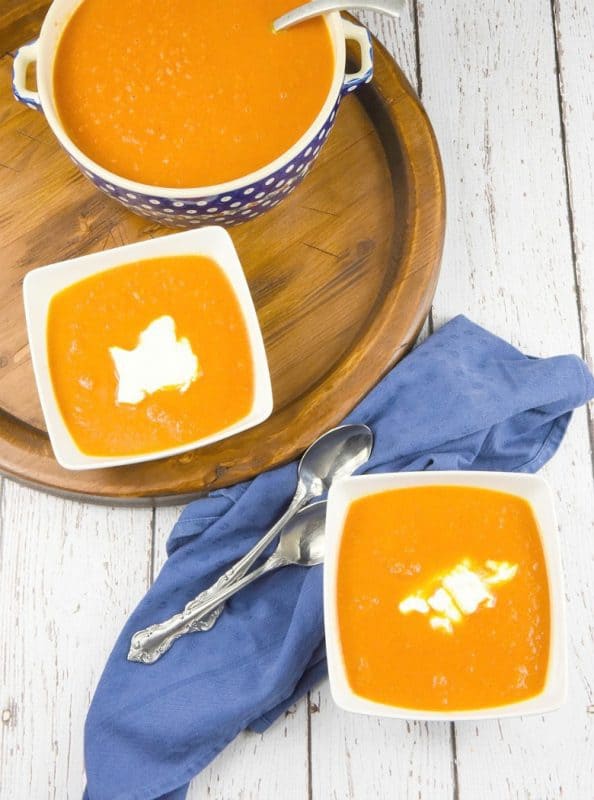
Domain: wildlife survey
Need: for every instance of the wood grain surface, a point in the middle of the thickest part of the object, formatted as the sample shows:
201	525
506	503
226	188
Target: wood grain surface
20	21
499	66
342	274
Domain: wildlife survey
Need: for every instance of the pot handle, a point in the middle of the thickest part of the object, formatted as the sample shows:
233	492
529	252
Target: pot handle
25	55
360	35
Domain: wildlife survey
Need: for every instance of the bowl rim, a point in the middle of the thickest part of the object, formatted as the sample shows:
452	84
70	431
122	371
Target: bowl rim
532	488
52	28
42	284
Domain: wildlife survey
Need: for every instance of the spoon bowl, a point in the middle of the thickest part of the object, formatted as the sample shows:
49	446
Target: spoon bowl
336	454
302	540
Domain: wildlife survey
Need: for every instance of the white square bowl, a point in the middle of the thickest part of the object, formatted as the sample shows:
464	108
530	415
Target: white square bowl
529	487
40	286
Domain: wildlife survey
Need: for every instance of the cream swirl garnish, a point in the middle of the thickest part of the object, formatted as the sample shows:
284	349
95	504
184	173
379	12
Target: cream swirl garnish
458	593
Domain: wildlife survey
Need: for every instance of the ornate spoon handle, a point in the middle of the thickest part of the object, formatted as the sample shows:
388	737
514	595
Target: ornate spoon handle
149	644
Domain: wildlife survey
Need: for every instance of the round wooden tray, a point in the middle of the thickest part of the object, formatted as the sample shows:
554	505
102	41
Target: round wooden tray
342	274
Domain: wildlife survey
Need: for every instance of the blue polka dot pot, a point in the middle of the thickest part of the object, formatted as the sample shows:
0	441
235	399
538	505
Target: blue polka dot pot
224	204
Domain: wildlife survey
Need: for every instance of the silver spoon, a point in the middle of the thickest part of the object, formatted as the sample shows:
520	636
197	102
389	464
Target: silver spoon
336	454
301	543
317	7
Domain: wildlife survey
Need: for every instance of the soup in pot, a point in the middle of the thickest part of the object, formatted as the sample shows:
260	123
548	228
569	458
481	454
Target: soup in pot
189	94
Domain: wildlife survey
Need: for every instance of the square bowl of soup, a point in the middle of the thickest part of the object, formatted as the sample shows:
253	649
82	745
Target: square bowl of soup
443	596
147	350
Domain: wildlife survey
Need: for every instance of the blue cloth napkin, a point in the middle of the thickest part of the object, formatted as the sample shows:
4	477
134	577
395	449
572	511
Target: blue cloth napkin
464	399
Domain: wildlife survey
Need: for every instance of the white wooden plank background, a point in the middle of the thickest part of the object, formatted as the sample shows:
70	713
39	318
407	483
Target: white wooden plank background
508	261
509	86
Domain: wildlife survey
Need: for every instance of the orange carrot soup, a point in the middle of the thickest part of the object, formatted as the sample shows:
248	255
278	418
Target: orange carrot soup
149	355
189	93
443	599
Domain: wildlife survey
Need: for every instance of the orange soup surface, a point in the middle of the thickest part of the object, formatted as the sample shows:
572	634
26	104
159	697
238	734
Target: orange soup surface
443	600
189	92
149	355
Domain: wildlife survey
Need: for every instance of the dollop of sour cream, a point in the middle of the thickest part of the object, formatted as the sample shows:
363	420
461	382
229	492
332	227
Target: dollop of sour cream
458	593
160	361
